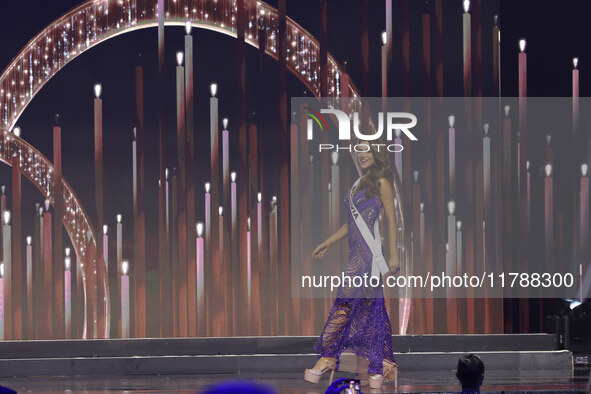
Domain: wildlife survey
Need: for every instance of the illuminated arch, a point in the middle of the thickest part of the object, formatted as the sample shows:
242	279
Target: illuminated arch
95	21
98	20
39	170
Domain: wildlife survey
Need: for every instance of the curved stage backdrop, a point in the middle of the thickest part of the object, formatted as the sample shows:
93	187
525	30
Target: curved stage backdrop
154	213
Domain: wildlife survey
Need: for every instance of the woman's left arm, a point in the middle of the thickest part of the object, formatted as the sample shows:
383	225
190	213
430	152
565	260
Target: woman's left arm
387	197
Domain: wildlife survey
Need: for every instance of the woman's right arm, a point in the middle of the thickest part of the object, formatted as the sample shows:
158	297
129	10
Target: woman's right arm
334	238
338	235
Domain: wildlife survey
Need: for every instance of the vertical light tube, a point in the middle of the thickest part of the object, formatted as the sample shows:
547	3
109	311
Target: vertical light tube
549	217
248	269
584	221
106	247
124	299
200	279
180	243
98	160
259	226
486	170
452	155
467	49
29	275
6	261
67	297
16	249
118	259
450	269
190	181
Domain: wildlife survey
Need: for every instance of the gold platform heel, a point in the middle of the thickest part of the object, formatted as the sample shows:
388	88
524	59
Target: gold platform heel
376	381
391	372
324	364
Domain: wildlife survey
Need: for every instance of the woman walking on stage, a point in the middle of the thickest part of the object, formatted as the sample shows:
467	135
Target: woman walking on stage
358	319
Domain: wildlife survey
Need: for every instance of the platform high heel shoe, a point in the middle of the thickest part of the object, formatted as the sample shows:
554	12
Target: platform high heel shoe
323	365
390	373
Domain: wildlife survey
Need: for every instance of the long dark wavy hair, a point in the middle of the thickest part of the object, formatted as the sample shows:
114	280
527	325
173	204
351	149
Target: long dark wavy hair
379	169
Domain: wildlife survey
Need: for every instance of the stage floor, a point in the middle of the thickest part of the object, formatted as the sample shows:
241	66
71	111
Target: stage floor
196	383
515	363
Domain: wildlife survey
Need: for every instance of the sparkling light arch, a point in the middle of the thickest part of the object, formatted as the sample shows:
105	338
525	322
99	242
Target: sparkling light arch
98	20
39	170
95	21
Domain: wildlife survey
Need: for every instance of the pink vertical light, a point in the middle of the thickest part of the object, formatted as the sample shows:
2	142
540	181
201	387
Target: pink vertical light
225	159
273	265
528	191
106	247
233	205
450	269
231	254
385	48
29	275
467	49
451	233
234	258
496	50
518	161
167	205
67	297
248	268
578	242
208	243
575	96
98	153
259	225
200	293
452	155
220	261
6	259
212	249
549	217
208	253
584	223
486	169
124	299
522	80
119	250
459	262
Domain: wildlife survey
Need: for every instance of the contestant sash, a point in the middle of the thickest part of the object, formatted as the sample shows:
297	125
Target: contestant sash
378	264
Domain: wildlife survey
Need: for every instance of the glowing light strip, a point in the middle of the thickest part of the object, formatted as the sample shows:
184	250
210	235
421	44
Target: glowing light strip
98	20
38	170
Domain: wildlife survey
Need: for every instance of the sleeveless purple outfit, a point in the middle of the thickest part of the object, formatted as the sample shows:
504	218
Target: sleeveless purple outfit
358	320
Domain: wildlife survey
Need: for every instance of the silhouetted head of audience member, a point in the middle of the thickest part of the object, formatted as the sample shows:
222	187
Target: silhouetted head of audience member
6	390
239	386
470	373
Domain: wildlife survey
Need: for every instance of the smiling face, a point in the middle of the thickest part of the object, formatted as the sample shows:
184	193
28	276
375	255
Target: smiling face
365	159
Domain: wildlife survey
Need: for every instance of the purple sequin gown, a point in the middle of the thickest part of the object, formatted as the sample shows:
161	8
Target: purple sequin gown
358	320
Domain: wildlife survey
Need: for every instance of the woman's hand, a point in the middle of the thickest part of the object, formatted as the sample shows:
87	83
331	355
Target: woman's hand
320	250
394	264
